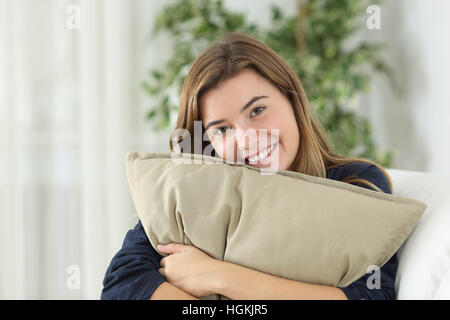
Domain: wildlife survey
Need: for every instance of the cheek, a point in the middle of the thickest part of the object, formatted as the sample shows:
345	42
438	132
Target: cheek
218	147
291	138
288	130
291	129
272	124
224	148
278	125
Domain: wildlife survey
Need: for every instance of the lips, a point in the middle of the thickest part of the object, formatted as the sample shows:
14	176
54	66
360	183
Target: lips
259	157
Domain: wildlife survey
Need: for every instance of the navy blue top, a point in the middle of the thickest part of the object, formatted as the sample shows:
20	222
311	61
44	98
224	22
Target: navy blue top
133	271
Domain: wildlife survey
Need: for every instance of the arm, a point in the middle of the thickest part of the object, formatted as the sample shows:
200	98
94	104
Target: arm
167	291
359	290
237	282
133	272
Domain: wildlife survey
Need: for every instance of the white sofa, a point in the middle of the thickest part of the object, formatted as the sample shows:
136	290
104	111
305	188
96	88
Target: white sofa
424	259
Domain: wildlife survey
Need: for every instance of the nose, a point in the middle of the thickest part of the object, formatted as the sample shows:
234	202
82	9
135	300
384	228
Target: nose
246	140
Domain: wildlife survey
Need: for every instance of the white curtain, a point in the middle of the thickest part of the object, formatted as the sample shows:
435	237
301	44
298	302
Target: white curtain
70	108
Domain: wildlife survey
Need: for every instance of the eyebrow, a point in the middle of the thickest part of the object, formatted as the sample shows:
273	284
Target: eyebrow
248	104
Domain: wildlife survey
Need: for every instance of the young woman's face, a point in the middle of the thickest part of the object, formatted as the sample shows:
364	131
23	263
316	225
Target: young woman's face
240	116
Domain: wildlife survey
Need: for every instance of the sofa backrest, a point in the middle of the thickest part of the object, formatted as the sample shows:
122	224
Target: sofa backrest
424	259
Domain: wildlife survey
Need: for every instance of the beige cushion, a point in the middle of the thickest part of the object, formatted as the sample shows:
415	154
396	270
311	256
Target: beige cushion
287	224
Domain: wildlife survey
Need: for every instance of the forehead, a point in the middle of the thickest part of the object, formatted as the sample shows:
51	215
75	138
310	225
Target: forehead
232	94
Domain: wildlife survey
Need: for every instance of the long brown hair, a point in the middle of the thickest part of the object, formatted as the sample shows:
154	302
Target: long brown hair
236	52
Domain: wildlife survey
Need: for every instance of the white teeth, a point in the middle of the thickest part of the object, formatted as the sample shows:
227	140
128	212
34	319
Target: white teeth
261	156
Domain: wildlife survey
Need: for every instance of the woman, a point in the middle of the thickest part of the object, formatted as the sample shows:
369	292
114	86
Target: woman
237	85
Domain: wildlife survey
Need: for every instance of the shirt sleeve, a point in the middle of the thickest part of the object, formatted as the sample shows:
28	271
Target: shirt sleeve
133	272
364	288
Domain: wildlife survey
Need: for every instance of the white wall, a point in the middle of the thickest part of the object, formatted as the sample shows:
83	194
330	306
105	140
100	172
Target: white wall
259	11
71	106
63	93
416	124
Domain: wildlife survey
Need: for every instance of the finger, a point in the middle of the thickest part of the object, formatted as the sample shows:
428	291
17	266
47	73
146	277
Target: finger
161	271
171	247
162	262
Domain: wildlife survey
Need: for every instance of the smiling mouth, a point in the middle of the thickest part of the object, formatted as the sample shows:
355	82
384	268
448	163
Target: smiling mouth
260	156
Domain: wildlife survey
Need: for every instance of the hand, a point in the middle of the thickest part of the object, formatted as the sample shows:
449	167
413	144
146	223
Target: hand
189	268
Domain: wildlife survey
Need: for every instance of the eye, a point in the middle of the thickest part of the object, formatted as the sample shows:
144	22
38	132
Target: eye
221	130
257	110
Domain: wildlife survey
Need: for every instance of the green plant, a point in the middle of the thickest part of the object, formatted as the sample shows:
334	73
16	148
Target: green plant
312	42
